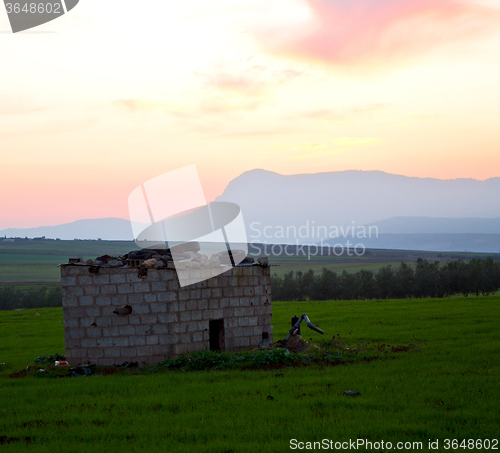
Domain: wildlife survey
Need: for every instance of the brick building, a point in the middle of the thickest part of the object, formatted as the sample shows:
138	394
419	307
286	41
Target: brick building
115	315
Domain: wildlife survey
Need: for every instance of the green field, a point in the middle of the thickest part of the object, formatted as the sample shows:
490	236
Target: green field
446	388
35	262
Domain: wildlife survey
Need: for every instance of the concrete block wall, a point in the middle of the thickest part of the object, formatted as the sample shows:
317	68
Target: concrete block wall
166	320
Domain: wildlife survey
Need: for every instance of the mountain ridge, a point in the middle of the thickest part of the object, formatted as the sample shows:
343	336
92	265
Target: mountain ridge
360	196
395	204
270	172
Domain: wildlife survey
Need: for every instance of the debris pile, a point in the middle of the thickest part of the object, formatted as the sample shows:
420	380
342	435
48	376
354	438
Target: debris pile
186	256
295	344
55	371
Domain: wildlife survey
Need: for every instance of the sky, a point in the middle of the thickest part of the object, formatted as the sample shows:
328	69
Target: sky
116	92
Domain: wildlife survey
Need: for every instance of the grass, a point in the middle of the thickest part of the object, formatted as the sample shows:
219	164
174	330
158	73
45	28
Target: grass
35	262
449	387
317	267
21	275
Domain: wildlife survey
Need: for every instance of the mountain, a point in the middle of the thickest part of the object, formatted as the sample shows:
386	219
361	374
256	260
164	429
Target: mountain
307	208
377	209
106	229
362	197
437	225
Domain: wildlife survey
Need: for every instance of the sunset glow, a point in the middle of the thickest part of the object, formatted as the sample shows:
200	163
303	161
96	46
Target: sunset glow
114	94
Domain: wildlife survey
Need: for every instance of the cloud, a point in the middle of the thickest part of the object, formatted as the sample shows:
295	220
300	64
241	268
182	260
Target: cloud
146	106
209	105
335	146
267	130
241	85
309	146
371	32
246	78
427	116
17	105
347	114
135	105
222	106
226	88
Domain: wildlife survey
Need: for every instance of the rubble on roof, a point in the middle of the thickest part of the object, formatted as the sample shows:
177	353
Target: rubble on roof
186	256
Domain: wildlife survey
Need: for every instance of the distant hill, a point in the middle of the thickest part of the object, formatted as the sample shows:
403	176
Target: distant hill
276	207
437	225
106	229
362	197
409	213
477	243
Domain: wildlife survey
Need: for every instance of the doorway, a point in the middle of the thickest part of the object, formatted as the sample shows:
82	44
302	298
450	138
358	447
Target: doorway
216	328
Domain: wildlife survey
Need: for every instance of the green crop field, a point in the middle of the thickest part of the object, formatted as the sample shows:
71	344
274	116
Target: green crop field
446	386
27	263
35	262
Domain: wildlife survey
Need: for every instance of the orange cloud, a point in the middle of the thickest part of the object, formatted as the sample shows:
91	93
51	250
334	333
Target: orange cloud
227	88
247	80
377	31
215	105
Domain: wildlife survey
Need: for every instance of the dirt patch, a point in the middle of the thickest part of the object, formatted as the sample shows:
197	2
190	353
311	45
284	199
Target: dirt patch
400	349
9	440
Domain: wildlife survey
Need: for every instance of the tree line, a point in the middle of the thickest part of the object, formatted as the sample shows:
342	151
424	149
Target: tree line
30	297
426	279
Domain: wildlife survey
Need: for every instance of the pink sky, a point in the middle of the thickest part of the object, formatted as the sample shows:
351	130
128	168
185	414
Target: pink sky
384	32
113	97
